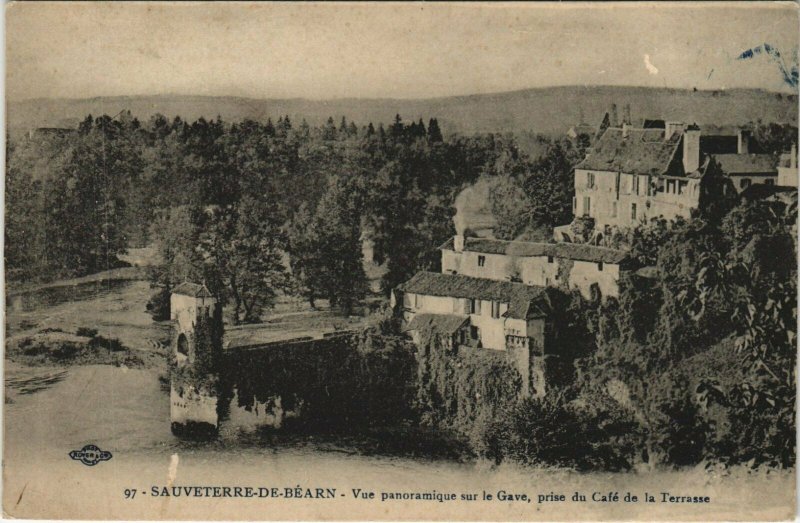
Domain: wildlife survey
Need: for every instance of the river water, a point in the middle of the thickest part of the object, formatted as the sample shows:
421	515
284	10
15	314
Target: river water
51	411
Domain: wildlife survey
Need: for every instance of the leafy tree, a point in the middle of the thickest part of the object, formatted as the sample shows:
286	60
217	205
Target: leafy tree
306	256
242	249
510	207
339	249
325	248
774	138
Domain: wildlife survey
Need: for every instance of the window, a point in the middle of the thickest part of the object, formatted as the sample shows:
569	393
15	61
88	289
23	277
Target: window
589	180
587	206
474	306
495	309
599	266
635	184
613	209
745	183
481	261
574	204
633	211
681	187
549	259
474	332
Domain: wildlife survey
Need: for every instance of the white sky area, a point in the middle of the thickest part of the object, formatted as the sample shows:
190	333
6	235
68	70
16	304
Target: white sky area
386	51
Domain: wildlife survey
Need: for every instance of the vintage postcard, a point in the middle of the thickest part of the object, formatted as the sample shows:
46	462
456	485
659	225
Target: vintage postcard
406	261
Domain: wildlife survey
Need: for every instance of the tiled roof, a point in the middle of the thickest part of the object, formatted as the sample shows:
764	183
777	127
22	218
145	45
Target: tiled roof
642	151
747	163
517	295
194	290
441	323
570	251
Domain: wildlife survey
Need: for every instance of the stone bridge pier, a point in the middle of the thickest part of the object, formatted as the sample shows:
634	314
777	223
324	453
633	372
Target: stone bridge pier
196	360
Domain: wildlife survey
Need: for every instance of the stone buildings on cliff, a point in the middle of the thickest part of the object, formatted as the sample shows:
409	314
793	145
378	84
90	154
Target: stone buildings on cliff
633	174
495	295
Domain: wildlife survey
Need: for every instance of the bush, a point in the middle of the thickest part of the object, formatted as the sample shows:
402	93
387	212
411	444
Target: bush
554	432
86	332
110	344
158	306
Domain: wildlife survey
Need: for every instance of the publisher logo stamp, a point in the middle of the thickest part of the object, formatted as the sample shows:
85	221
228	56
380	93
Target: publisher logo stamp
90	455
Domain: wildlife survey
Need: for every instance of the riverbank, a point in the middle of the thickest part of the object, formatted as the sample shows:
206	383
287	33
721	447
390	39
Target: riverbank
53	410
125	412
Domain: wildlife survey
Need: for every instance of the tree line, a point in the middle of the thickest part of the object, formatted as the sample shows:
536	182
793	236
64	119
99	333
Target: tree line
254	209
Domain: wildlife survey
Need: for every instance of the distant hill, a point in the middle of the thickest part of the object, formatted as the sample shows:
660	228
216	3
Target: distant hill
545	110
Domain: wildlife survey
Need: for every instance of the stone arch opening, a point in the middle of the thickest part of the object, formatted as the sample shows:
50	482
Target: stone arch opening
183	345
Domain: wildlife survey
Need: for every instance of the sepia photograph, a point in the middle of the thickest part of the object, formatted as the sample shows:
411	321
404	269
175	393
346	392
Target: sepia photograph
400	261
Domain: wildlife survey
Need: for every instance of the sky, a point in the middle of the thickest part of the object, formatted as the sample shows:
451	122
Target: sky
420	50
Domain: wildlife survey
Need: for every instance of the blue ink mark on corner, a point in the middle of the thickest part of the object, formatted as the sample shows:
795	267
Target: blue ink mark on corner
790	74
90	455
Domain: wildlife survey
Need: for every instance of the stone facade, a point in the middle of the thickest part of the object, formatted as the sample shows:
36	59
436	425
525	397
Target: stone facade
568	266
193	408
615	199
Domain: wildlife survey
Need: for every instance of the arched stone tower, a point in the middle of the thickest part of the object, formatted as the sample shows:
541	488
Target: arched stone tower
197	316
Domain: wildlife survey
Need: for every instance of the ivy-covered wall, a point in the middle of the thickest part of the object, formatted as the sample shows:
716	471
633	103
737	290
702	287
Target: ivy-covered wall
358	379
463	390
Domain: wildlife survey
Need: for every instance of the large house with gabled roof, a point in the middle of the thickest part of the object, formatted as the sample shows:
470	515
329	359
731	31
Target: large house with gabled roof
662	169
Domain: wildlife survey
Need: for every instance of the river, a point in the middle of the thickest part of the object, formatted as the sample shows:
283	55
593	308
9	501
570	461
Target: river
51	411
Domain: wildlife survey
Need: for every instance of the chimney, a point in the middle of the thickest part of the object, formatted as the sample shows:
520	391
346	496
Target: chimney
626	129
671	128
743	143
458	242
691	148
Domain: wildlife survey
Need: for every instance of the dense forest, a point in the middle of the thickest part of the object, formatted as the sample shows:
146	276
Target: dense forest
260	209
254	209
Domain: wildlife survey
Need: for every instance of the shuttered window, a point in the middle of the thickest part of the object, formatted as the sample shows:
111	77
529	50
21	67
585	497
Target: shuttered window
495	309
